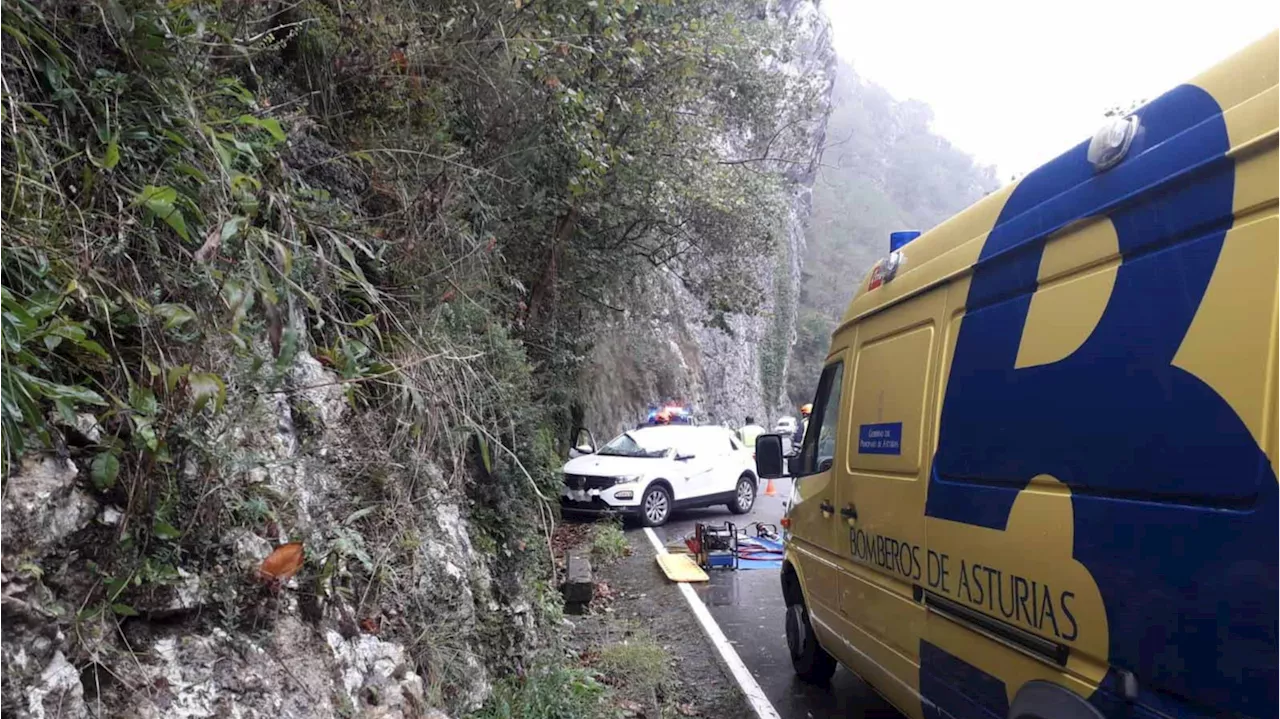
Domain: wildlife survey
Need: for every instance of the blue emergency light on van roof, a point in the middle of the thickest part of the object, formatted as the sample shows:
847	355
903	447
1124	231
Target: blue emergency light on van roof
898	239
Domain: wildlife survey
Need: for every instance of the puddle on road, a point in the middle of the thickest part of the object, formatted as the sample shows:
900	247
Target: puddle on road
721	591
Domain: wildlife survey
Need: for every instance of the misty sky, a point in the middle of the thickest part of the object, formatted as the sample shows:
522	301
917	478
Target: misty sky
1016	83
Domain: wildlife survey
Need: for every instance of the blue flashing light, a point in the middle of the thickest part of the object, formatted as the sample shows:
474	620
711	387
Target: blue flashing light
898	239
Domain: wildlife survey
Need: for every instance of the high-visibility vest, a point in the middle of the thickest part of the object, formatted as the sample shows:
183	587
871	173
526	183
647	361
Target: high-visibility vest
749	434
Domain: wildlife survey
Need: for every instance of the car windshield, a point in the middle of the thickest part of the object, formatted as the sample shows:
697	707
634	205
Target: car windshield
648	444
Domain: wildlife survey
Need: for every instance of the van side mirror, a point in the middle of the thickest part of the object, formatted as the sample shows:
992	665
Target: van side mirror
795	465
769	456
583	442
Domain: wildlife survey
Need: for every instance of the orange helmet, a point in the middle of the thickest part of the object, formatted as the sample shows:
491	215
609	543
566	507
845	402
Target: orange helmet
805	409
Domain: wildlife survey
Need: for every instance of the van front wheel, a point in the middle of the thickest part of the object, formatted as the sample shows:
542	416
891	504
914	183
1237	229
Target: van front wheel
812	663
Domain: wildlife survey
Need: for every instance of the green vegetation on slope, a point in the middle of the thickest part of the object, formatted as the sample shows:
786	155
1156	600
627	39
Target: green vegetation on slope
883	170
431	199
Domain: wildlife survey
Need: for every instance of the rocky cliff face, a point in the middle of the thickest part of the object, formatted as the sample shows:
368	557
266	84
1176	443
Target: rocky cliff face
227	642
671	347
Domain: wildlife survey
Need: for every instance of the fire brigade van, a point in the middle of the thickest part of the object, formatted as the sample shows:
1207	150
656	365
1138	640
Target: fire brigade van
1040	474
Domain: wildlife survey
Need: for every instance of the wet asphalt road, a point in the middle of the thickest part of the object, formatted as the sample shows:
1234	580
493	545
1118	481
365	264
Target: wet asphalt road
749	608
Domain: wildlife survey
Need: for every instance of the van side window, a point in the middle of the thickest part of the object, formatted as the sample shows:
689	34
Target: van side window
820	439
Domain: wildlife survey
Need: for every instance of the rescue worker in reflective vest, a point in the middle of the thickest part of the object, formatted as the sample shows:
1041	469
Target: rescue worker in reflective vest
749	432
797	439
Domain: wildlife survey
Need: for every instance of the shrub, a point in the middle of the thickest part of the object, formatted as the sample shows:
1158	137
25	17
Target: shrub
609	543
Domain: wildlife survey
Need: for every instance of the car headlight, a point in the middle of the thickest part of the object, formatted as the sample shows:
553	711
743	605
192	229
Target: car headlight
624	494
628	479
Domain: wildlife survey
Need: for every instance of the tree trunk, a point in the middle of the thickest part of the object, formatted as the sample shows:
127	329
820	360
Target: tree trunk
544	291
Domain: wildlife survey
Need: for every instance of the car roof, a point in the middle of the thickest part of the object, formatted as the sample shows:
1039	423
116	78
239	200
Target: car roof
673	430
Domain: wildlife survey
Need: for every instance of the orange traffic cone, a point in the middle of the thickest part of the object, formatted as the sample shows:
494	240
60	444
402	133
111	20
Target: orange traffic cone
769	491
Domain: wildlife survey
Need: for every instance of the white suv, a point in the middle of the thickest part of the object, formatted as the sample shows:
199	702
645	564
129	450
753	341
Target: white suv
649	471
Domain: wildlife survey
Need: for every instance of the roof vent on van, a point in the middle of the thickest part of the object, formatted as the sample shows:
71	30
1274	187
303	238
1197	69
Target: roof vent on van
898	239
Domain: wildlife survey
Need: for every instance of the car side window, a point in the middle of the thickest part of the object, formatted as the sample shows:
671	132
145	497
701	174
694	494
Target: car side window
820	439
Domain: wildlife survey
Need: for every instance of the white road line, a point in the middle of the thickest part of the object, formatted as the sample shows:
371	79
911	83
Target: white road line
760	704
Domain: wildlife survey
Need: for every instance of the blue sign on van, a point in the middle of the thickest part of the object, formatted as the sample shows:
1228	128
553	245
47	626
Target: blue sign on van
883	438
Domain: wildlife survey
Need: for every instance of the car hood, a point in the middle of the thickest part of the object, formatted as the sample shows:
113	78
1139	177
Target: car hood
594	465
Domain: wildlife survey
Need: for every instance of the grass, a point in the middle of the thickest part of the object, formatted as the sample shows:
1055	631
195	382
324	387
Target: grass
560	692
628	674
636	668
608	543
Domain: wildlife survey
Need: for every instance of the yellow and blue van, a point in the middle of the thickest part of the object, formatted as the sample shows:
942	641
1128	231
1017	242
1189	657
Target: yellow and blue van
1040	475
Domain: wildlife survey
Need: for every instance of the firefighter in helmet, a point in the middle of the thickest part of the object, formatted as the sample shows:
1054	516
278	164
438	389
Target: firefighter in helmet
797	439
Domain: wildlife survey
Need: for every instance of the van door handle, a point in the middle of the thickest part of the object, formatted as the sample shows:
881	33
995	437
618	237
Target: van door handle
849	512
827	507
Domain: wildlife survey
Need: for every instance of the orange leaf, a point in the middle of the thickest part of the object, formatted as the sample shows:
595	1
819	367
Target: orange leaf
447	296
282	563
399	60
369	625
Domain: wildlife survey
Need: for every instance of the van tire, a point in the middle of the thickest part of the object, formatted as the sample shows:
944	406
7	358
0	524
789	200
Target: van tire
812	663
744	495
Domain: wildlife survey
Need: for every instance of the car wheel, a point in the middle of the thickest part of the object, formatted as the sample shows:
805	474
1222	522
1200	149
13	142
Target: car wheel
656	506
745	497
811	662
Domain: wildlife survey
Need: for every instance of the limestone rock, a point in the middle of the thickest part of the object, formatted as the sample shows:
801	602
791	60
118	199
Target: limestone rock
318	391
377	675
248	549
42	505
58	694
296	673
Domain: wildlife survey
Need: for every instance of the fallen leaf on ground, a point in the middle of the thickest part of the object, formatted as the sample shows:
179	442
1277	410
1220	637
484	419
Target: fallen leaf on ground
282	563
399	60
212	242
